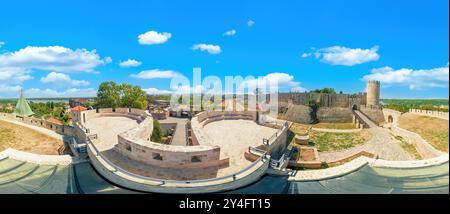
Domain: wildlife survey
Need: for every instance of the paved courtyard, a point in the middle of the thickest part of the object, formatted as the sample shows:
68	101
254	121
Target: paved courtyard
234	138
107	129
179	137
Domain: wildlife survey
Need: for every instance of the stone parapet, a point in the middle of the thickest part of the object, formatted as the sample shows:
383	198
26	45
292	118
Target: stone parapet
437	114
123	178
37	159
356	164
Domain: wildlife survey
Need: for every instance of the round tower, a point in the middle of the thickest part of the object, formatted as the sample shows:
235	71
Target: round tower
373	93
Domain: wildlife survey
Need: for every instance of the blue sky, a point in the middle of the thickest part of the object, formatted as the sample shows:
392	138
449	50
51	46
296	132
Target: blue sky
67	48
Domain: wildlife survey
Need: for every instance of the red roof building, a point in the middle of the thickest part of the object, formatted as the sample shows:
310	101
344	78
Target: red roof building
79	108
54	121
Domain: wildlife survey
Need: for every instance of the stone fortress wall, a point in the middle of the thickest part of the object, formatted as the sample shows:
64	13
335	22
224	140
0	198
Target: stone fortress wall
324	100
332	108
437	114
65	130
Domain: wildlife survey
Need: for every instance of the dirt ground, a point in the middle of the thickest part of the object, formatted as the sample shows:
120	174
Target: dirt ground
27	140
307	155
433	130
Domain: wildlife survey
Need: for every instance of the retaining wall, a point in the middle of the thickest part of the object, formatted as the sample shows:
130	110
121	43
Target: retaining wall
334	115
437	114
373	113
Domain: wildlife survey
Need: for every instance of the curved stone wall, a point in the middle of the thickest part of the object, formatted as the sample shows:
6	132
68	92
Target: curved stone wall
174	162
136	145
299	114
140	183
37	159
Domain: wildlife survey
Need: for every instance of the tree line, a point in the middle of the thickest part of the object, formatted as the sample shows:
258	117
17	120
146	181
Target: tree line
113	95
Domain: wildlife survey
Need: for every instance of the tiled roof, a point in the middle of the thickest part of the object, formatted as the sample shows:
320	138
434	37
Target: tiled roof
54	120
79	108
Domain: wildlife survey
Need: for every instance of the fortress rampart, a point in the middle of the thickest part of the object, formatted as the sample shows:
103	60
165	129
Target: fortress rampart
322	100
310	107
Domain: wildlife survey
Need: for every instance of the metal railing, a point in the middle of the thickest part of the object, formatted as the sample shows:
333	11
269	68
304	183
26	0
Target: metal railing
256	151
268	141
235	176
280	162
82	127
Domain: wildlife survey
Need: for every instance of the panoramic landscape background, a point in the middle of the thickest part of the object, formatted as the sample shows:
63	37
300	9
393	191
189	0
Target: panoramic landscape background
66	49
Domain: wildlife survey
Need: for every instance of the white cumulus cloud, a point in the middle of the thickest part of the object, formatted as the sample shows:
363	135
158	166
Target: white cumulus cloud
414	79
230	33
53	58
250	23
155	91
153	38
155	74
50	93
13	91
13	75
186	89
62	79
130	63
339	55
274	81
2	43
211	49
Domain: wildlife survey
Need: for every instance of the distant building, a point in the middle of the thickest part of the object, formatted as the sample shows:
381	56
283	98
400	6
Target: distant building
54	121
77	102
22	108
160	115
75	113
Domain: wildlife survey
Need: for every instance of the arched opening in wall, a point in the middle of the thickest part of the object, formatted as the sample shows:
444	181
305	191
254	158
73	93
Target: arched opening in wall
196	159
157	156
354	107
128	147
390	119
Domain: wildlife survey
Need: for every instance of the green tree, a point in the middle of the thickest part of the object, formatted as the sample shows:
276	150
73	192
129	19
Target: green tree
325	91
112	95
132	97
157	133
108	95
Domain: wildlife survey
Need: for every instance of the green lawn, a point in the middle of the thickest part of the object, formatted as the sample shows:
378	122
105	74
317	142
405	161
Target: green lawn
433	130
338	141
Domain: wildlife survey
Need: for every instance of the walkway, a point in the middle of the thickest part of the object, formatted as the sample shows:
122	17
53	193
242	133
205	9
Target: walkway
179	137
18	177
381	143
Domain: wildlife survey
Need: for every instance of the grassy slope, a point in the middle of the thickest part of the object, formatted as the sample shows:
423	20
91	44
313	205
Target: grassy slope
434	130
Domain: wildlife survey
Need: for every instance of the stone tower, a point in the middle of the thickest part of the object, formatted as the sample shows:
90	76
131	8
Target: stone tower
373	93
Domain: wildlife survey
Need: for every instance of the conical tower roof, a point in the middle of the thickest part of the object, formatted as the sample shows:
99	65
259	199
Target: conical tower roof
22	107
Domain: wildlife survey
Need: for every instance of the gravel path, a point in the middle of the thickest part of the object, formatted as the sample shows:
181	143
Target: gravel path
381	143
